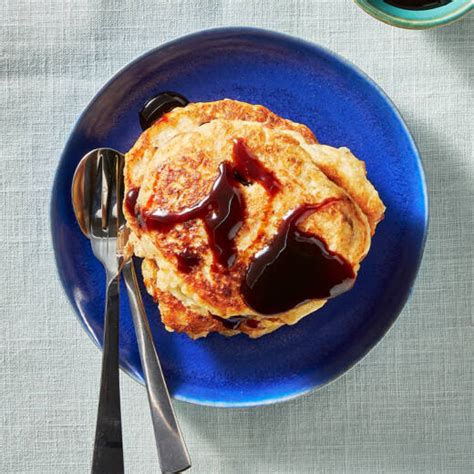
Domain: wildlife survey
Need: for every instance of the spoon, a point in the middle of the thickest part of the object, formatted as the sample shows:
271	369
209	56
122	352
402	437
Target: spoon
172	451
95	181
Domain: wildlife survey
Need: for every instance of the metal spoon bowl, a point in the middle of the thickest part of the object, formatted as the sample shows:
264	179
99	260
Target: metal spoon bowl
79	192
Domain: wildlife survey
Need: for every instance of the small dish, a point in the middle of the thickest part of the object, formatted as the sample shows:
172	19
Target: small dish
416	19
305	83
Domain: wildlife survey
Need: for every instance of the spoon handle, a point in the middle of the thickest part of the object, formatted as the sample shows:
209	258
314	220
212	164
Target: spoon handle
108	451
172	451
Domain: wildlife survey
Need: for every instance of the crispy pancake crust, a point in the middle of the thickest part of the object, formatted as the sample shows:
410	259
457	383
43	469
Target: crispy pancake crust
175	163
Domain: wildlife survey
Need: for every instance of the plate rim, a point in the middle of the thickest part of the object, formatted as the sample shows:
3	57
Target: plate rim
284	37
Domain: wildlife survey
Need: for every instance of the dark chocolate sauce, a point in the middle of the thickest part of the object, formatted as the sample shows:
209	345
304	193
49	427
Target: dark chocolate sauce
231	323
131	200
417	4
159	105
249	169
252	323
187	261
294	268
222	211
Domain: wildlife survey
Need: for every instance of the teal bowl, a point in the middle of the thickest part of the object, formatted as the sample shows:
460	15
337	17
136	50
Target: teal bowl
416	19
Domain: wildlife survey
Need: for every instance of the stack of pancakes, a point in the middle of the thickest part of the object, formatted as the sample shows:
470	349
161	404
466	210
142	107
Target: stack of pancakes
174	165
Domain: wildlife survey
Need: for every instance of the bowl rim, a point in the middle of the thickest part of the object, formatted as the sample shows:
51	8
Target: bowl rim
261	32
414	24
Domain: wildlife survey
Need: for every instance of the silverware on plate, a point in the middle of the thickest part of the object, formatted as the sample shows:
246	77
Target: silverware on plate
96	197
172	451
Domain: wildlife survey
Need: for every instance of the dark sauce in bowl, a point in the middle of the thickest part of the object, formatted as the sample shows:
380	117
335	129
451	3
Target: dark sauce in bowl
418	4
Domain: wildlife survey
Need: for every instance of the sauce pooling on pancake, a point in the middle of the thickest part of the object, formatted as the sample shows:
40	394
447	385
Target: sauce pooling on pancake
247	165
295	267
222	210
131	200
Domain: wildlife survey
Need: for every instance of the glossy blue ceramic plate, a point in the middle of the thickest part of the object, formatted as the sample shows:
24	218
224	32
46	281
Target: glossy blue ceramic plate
307	84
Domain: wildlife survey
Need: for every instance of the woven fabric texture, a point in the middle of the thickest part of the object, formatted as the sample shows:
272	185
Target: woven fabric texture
407	408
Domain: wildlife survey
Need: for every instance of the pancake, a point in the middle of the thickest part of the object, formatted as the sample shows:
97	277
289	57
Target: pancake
171	174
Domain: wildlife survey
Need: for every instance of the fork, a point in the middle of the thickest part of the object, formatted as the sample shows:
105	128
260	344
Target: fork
101	193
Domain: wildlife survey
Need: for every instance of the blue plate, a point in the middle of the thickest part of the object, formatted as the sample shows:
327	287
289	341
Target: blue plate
307	84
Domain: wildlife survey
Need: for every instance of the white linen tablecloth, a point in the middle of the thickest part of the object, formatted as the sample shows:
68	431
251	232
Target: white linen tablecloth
407	408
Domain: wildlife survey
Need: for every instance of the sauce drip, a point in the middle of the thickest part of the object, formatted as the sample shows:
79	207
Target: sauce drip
417	4
231	323
131	200
222	211
187	261
248	167
159	105
295	267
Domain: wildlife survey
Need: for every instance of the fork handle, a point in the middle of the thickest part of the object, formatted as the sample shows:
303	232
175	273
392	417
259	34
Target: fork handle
172	451
108	451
